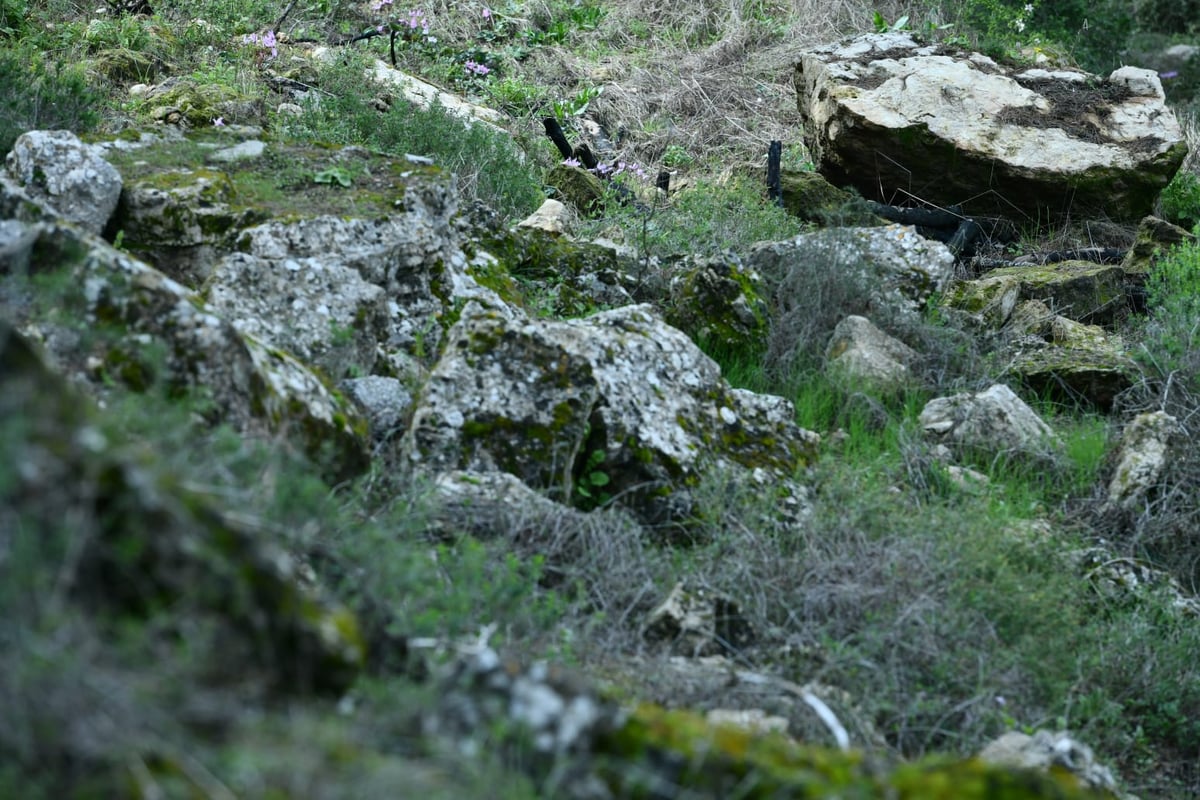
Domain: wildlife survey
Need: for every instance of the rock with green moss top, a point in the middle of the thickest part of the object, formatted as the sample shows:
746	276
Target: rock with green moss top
657	750
182	219
810	197
1154	237
559	276
579	188
1080	290
194	104
157	326
1069	361
142	542
618	405
718	302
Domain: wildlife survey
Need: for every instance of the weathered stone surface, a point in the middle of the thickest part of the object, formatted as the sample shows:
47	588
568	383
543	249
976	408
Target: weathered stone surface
994	422
384	401
69	177
320	311
560	276
141	541
618	394
1145	443
1079	290
252	387
1046	751
907	267
903	120
861	353
579	188
1060	358
695	621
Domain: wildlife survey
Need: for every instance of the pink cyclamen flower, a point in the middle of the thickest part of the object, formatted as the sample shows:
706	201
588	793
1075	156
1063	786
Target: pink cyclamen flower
1166	76
218	121
487	13
478	69
570	162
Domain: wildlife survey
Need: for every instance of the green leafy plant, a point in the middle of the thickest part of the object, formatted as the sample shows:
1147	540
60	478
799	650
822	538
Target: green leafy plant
1180	201
333	175
577	105
589	486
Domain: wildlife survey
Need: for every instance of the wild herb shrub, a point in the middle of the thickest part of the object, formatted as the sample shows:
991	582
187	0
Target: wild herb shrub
42	95
1173	299
1180	201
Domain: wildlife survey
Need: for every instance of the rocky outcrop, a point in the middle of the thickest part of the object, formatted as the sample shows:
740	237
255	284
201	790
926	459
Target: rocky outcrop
68	178
618	405
695	621
905	121
158	330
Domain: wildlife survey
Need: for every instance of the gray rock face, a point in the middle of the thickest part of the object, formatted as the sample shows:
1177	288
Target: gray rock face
619	395
904	267
315	308
902	120
992	422
57	170
861	353
384	401
253	387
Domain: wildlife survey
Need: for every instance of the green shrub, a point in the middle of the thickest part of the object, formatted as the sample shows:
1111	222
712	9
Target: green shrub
42	95
1180	201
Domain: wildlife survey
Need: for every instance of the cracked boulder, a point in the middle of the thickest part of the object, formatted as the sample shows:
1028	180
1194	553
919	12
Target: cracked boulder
616	407
902	120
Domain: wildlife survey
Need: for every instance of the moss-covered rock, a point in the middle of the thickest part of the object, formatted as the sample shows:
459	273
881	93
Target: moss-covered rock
718	302
810	197
658	748
578	187
1080	290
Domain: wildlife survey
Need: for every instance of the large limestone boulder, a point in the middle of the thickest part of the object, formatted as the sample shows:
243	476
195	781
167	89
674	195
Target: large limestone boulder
989	424
615	406
906	121
67	177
